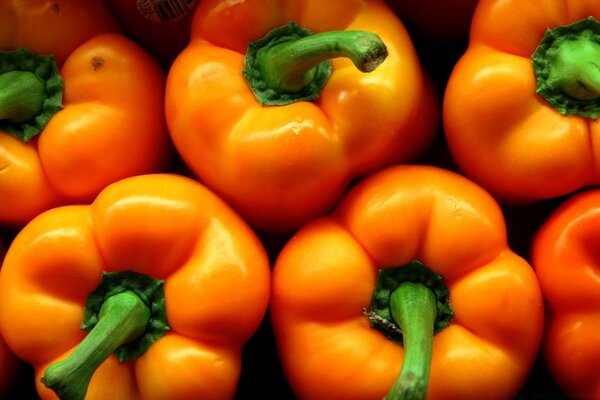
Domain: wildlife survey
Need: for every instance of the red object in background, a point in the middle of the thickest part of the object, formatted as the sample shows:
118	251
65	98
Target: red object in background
437	20
164	32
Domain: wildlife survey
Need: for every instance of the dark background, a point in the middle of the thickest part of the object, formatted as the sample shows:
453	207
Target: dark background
262	376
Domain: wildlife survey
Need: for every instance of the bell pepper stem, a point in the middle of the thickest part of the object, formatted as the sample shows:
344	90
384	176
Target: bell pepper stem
289	66
566	64
577	69
123	317
22	95
31	90
413	308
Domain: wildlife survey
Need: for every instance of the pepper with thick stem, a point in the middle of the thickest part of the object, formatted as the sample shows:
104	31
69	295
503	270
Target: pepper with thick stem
413	309
522	103
123	318
31	92
410	304
81	106
399	237
292	64
148	292
267	107
567	68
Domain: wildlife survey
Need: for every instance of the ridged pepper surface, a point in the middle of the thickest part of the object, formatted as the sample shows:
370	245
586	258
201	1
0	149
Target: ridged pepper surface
565	258
407	290
150	292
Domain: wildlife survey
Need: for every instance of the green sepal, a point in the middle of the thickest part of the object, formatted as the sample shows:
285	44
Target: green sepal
150	291
544	59
389	280
44	68
270	96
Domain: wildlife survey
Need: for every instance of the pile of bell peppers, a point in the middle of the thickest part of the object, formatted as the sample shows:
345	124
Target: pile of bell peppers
298	199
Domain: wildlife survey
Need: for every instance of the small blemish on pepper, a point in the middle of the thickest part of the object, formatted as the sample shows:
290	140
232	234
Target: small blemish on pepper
97	63
55	8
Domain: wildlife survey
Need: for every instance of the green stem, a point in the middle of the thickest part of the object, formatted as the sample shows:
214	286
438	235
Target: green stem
30	92
289	66
566	64
123	318
576	70
413	308
22	96
291	63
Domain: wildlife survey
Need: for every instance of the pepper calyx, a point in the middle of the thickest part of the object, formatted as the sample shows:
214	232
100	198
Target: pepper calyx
149	290
292	64
265	93
31	91
124	315
566	64
388	280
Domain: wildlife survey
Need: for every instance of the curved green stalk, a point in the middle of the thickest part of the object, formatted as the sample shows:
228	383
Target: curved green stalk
123	318
413	308
291	63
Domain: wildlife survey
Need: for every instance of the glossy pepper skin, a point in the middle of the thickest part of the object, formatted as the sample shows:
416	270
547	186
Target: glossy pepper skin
281	166
55	27
327	273
501	133
167	227
565	258
111	124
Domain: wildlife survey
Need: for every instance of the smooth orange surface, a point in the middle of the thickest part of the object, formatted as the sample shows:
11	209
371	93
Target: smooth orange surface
326	275
54	27
112	124
566	257
281	166
169	227
501	134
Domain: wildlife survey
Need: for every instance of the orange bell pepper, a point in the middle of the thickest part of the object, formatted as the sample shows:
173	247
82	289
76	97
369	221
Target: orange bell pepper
9	363
166	278
64	136
401	241
288	157
565	258
521	105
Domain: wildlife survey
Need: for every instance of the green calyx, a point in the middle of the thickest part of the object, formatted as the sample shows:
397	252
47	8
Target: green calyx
409	305
149	290
292	64
567	68
125	315
388	280
30	92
